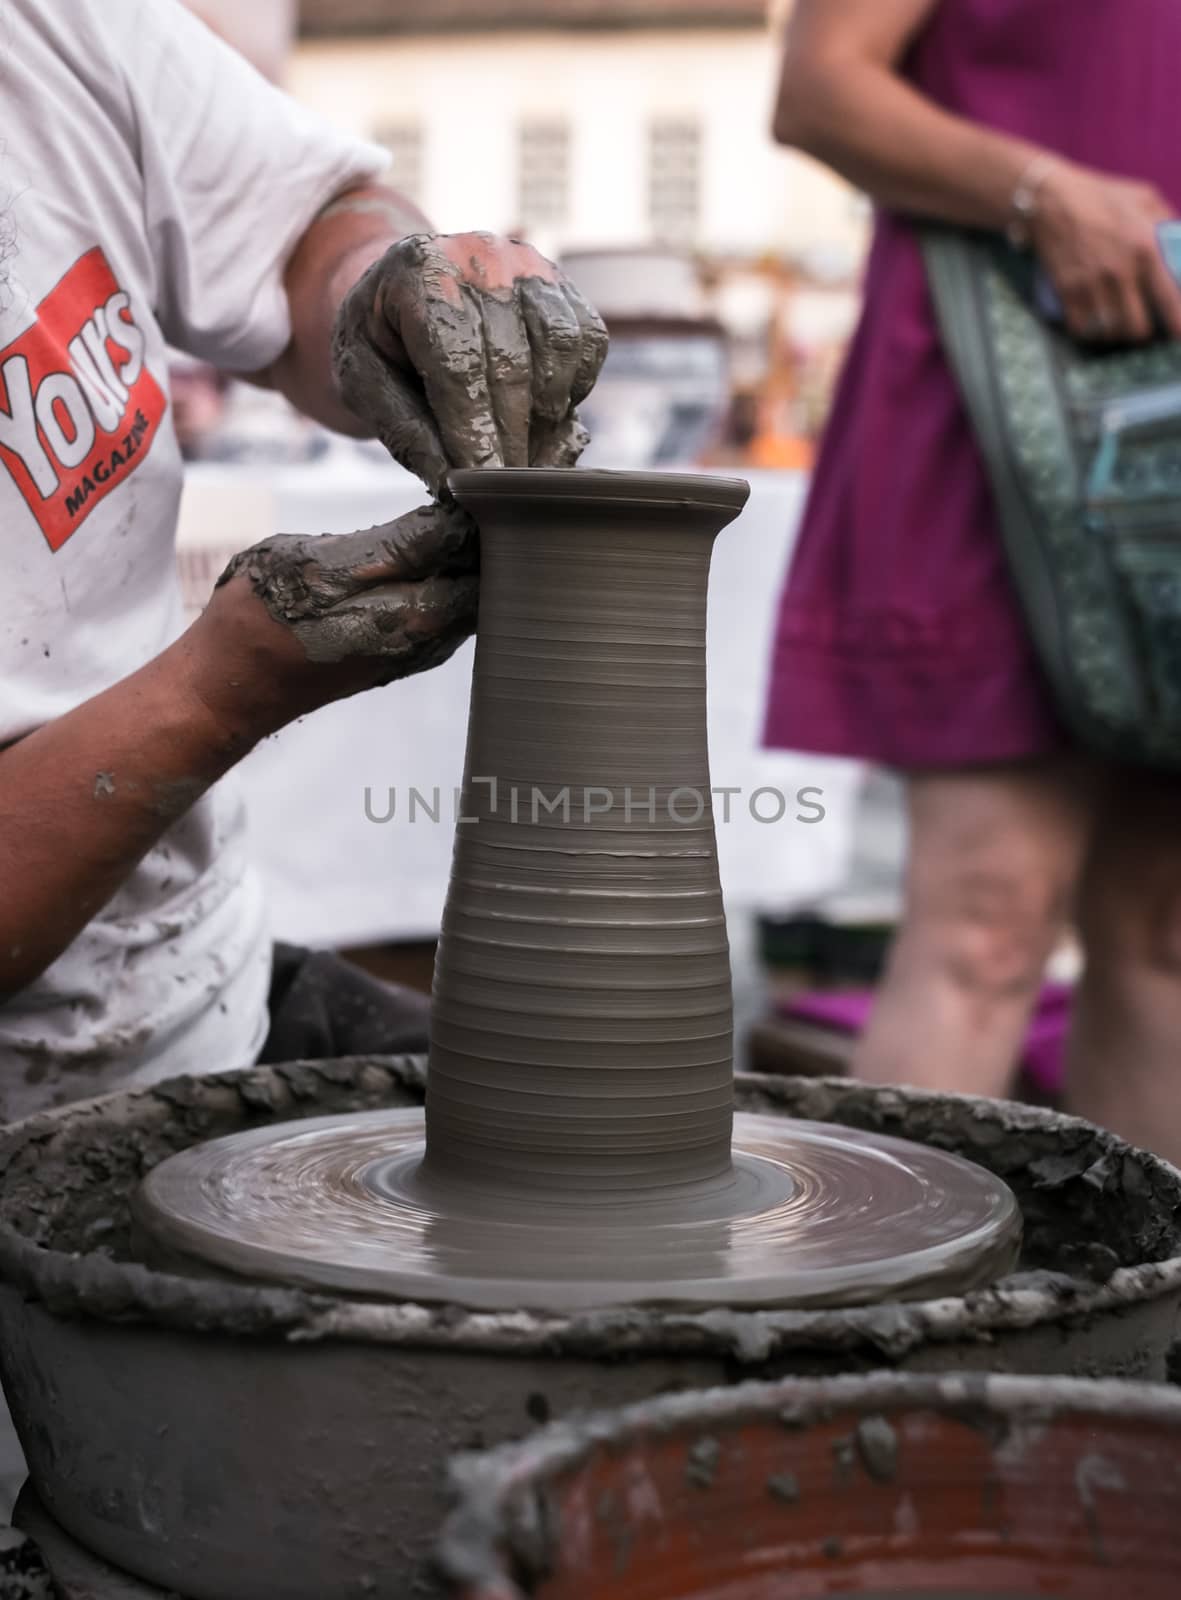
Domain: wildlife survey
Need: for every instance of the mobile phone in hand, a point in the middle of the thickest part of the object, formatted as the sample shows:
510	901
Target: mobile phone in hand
1045	296
1169	235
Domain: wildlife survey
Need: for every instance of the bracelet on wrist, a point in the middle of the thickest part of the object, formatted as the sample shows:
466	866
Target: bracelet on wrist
1024	204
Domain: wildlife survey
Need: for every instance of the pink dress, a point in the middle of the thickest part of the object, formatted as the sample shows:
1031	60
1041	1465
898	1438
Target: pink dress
900	638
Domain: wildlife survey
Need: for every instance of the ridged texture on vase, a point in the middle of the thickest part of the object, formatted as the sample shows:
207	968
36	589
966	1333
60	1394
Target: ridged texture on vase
582	1021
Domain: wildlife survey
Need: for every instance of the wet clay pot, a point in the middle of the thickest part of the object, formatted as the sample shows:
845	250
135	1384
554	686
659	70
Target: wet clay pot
581	1017
908	1487
228	1441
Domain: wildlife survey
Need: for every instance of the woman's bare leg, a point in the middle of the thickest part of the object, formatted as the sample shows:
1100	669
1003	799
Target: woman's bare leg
1124	1066
995	855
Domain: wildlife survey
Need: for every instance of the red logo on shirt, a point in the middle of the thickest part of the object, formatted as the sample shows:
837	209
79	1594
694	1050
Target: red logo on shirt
79	410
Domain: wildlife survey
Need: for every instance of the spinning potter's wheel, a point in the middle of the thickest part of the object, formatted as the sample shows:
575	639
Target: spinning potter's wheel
806	1215
578	1147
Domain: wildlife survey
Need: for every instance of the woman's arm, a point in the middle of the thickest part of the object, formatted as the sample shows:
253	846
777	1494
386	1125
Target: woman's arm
842	100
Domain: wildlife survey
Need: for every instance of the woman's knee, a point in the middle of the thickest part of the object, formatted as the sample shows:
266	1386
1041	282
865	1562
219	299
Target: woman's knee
995	858
1134	922
988	929
1130	902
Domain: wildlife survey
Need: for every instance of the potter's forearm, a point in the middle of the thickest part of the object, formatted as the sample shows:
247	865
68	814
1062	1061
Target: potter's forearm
292	625
87	795
842	100
346	238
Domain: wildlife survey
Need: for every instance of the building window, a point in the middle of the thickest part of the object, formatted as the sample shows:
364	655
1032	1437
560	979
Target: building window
404	142
674	179
543	193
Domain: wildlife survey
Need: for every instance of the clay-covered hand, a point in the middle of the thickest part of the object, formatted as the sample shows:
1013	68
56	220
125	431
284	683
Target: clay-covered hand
296	622
465	350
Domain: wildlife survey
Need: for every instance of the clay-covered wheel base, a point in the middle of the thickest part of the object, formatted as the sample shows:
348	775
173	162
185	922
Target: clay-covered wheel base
77	1574
809	1214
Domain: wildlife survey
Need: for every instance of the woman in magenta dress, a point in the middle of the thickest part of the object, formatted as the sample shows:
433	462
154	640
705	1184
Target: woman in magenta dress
900	638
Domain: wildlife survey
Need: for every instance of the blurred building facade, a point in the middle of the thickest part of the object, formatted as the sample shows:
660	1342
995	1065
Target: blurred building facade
631	139
582	123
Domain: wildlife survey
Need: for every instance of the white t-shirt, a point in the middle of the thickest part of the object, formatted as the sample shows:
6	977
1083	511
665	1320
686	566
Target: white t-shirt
152	186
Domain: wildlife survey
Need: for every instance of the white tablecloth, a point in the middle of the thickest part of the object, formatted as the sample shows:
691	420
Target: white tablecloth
336	877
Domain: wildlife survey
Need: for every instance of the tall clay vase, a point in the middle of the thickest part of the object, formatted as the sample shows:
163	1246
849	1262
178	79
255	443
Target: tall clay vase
582	1016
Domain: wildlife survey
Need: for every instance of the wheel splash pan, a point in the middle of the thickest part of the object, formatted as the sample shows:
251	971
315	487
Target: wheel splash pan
231	1441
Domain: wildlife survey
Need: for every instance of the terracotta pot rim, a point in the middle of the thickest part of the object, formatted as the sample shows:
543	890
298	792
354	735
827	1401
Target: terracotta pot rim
99	1286
802	1402
488	1486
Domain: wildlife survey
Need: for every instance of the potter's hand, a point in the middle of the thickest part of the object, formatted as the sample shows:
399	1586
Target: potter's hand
295	622
465	350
